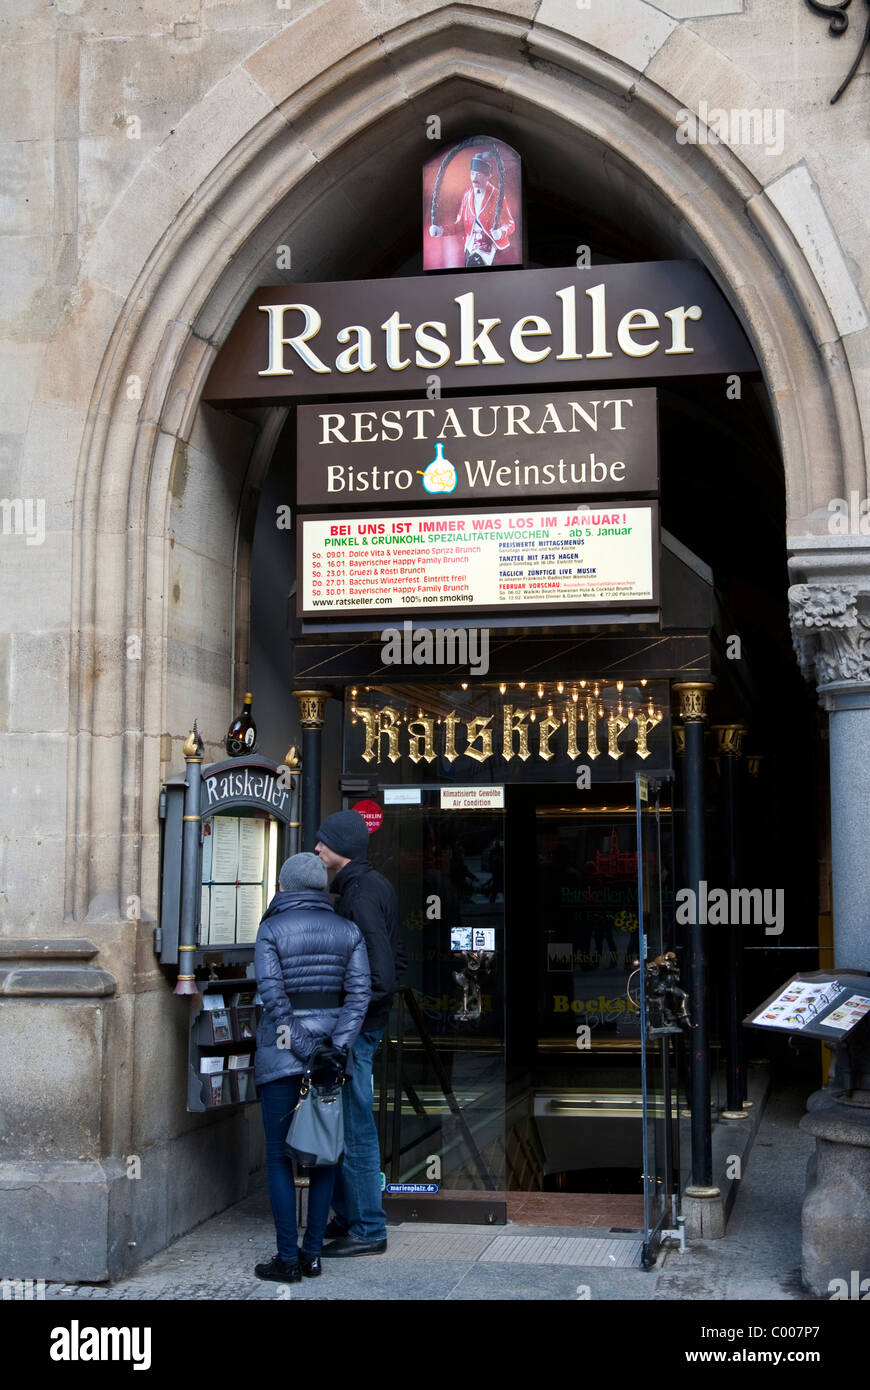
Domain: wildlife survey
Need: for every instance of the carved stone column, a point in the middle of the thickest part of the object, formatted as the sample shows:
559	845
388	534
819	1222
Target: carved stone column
830	621
312	707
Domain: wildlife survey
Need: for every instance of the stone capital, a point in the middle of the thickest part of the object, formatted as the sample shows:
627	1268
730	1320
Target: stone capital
829	609
830	623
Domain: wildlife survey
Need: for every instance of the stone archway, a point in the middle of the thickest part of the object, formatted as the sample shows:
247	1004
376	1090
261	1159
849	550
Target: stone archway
281	168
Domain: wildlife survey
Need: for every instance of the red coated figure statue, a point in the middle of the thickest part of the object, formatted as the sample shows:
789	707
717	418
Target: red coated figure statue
477	214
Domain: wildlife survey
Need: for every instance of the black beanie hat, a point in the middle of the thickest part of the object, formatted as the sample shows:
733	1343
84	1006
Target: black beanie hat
346	833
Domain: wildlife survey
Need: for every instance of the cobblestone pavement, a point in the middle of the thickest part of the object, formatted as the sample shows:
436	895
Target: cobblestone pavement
758	1259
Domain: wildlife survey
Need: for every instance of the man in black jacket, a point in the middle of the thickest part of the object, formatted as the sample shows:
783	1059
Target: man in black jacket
366	898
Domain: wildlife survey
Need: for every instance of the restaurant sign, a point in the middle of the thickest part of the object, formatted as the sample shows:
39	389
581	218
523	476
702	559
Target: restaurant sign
508	733
478	330
570	443
520	558
249	782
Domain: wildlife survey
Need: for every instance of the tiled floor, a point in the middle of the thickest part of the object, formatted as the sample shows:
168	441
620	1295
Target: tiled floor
757	1260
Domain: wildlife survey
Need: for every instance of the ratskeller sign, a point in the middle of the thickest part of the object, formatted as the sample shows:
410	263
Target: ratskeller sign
564	443
227	785
479	330
491	735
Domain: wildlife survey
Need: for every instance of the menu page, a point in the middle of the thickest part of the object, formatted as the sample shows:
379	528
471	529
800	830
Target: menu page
798	1004
233	865
223	915
249	911
225	849
251	849
847	1014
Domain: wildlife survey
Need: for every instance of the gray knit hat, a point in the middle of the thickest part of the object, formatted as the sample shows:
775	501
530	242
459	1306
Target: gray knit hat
302	871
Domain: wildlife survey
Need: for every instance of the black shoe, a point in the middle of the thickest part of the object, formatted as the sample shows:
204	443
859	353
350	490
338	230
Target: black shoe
310	1264
279	1271
335	1228
349	1245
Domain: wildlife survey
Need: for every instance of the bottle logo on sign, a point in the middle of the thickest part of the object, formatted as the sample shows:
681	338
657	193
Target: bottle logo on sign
439	475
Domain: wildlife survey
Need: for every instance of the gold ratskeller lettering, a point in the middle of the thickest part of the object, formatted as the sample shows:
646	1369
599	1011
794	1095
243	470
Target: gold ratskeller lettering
383	729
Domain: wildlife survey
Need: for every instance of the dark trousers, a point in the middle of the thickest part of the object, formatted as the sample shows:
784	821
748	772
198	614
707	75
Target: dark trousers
357	1201
278	1100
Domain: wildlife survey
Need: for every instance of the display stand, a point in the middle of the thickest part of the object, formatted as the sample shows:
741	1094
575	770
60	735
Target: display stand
223	1030
828	1005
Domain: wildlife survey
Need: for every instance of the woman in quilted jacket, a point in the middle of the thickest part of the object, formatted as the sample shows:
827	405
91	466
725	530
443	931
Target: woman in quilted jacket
313	978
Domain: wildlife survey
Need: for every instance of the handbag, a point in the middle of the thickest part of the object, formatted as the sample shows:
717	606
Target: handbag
316	1134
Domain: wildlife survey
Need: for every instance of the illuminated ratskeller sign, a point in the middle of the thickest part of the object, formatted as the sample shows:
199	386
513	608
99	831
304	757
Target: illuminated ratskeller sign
508	733
479	330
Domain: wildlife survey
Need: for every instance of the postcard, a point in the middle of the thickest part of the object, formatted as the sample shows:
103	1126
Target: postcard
848	1013
220	1022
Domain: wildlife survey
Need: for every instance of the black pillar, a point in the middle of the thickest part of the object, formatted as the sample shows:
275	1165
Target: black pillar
312	704
693	702
729	738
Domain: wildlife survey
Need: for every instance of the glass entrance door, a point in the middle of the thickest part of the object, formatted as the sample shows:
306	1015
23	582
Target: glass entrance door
659	1000
517	1063
440	1080
574	1059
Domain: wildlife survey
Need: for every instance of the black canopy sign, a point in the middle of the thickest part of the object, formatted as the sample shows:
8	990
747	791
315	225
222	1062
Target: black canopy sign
246	782
479	331
569	443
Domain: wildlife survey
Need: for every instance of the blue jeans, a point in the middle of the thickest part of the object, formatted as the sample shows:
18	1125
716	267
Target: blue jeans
357	1198
278	1100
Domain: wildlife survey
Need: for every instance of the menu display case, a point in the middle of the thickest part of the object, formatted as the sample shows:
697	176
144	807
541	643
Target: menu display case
226	833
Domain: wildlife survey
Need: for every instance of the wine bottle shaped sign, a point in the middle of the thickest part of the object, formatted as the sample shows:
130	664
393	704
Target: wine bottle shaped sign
439	475
242	733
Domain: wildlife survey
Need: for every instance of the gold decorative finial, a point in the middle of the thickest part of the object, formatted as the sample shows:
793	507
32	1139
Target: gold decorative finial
193	745
291	757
